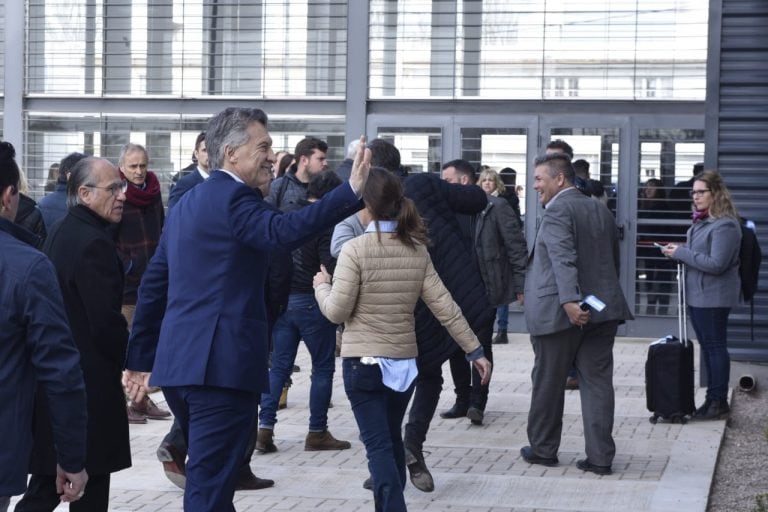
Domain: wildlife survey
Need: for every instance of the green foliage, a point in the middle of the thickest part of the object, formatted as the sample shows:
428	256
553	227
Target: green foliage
762	503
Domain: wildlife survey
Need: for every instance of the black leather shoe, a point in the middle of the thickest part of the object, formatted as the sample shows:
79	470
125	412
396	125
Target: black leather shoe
717	410
253	483
585	465
531	458
701	411
475	415
501	338
368	484
421	478
457	411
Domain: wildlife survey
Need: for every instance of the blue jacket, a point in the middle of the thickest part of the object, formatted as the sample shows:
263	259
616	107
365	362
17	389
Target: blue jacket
201	317
35	346
184	185
54	205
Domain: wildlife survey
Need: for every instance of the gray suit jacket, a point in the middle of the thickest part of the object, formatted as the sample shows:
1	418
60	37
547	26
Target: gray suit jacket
575	254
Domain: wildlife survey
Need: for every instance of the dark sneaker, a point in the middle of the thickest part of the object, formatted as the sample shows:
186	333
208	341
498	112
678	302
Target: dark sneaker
585	465
421	478
368	484
531	458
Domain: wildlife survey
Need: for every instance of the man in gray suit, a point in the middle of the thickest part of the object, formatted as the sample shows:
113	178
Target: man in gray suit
575	254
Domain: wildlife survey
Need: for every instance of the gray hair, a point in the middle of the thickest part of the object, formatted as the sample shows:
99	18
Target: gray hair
352	149
130	148
80	175
557	163
229	128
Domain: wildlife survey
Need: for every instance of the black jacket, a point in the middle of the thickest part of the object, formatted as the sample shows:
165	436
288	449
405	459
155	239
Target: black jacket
30	217
91	278
440	203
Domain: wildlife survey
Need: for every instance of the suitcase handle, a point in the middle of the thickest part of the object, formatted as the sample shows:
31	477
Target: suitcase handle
682	313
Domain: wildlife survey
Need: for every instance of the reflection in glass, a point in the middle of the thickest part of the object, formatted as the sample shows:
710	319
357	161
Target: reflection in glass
538	49
187	48
669	158
499	148
420	148
169	139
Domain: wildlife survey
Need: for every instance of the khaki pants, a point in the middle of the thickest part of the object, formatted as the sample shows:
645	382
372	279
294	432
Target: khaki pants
128	311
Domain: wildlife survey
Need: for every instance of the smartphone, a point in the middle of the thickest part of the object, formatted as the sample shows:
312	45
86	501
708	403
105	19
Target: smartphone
657	244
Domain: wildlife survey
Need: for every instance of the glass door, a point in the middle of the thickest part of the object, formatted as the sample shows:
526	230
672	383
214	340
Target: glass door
668	159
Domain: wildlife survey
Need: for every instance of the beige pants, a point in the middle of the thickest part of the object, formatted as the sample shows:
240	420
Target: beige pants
128	311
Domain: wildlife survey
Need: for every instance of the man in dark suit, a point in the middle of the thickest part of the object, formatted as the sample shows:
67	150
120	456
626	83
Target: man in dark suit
189	180
201	320
35	346
91	278
575	255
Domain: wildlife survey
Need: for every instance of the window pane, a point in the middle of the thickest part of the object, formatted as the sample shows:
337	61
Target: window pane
187	48
169	140
421	149
537	49
667	159
498	148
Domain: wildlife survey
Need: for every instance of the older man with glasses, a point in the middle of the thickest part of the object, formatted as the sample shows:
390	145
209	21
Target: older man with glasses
91	278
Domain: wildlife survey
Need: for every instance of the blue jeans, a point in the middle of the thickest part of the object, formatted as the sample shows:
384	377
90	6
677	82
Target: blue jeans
711	326
502	317
301	320
379	413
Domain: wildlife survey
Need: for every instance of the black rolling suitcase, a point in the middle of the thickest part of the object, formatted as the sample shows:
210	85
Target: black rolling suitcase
669	368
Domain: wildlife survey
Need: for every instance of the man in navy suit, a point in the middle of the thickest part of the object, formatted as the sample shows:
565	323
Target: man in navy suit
199	175
201	320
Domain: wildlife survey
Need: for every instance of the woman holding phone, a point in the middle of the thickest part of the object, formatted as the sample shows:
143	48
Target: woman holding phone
711	257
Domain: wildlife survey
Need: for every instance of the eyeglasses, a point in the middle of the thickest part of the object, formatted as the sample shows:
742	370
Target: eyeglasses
114	189
697	193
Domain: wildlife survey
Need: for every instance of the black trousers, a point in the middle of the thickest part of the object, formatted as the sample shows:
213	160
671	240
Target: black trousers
41	495
466	379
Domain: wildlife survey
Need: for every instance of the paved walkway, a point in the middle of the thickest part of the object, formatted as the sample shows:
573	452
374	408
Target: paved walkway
663	467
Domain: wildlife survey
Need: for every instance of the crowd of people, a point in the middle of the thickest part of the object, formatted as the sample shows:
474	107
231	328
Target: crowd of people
410	271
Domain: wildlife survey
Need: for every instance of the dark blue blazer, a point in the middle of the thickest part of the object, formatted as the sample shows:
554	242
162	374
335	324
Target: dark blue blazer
184	185
201	317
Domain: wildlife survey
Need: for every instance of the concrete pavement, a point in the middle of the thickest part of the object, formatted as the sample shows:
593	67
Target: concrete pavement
662	467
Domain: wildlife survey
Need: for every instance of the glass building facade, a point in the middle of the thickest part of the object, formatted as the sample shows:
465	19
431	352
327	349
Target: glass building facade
491	81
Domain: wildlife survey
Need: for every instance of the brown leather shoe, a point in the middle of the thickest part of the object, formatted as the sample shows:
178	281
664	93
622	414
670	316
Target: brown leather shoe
150	409
317	441
134	416
571	383
283	402
265	442
253	483
174	464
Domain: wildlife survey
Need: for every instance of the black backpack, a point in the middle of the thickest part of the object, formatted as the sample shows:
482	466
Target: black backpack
750	257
